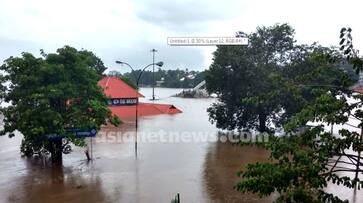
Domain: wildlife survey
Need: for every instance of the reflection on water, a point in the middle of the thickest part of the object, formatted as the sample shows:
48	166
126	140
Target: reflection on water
222	162
199	171
29	180
59	184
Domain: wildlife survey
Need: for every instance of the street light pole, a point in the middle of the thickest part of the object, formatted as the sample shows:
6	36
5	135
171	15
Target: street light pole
137	79
153	51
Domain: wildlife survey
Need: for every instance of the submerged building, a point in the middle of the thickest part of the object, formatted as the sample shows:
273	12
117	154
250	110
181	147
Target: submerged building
123	100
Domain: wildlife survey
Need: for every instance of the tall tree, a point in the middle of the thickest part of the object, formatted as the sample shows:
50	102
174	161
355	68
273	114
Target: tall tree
304	164
312	71
239	72
51	94
254	82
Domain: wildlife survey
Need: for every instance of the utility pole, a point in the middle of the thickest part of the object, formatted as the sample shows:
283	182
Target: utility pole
137	80
153	51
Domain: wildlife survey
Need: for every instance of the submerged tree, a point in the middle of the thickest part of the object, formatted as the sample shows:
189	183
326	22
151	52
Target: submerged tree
256	84
51	94
239	72
302	165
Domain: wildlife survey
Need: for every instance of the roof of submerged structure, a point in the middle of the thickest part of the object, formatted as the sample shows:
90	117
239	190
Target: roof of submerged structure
115	88
144	109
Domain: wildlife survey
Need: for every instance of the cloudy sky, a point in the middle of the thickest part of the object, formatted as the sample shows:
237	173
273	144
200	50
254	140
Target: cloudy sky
128	29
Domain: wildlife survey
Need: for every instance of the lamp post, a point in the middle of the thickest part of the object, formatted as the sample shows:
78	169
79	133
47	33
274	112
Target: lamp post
153	51
137	80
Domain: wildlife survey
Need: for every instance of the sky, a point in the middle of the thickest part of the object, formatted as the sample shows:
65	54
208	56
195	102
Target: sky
127	30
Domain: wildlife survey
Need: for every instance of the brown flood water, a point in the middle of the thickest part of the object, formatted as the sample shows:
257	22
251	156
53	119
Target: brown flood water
200	171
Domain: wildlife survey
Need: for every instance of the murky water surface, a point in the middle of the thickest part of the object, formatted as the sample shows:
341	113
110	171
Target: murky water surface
175	154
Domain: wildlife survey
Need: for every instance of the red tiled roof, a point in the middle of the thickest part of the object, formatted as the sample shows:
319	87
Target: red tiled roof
358	89
113	87
144	109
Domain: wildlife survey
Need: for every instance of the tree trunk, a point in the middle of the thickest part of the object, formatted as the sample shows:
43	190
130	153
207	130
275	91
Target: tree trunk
262	123
56	151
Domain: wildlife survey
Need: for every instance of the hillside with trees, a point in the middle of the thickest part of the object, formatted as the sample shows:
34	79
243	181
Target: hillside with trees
164	78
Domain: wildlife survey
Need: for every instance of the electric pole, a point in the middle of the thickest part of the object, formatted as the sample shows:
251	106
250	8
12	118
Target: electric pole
153	51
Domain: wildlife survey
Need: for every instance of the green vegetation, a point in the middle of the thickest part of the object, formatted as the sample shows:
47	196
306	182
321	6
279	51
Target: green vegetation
307	85
50	94
170	78
273	80
302	165
260	86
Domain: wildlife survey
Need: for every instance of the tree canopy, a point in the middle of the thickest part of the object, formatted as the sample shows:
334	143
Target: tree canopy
264	83
302	165
50	94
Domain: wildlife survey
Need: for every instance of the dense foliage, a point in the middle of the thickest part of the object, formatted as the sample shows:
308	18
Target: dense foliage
264	83
302	165
170	78
51	94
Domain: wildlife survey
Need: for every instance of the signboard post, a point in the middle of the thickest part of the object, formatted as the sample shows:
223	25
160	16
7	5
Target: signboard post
78	133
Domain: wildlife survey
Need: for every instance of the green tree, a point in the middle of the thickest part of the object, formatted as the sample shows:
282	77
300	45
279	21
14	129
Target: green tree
51	94
312	71
302	165
257	83
239	72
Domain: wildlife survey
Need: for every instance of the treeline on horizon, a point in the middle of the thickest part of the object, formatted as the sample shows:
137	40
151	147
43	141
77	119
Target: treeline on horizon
170	78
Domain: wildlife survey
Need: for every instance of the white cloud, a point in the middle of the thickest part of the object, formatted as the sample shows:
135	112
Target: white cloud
127	30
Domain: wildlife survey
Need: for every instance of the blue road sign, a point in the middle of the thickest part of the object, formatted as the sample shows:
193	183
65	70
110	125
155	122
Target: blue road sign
79	133
85	133
54	137
82	132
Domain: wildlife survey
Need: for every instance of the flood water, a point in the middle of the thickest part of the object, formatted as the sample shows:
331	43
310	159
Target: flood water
168	160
